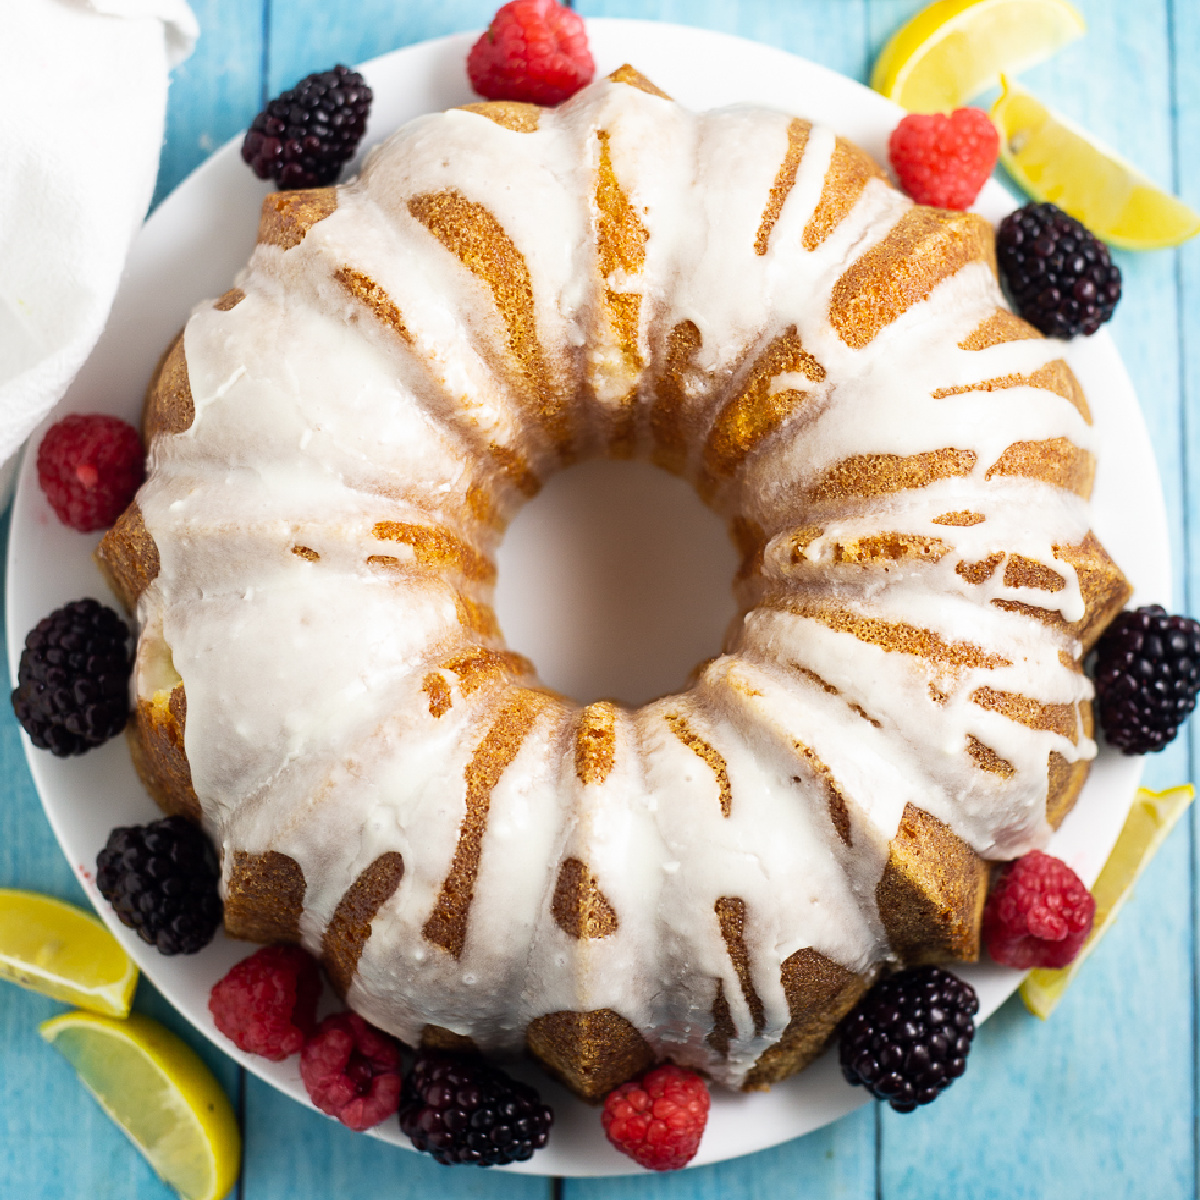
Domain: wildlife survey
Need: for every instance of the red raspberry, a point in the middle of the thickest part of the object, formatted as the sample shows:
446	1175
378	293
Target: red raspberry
352	1071
1038	915
658	1119
944	160
267	1003
89	466
534	50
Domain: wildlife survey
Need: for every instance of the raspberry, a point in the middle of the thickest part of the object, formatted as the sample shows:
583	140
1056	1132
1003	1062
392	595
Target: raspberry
1147	676
72	688
161	880
462	1110
1038	914
534	50
90	466
352	1071
658	1119
944	160
306	135
908	1038
1061	277
267	1003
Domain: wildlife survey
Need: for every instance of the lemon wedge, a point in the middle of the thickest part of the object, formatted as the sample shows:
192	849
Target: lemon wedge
1054	160
55	948
1151	817
160	1093
954	49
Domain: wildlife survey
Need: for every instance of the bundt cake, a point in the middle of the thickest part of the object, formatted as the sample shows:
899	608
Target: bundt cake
336	445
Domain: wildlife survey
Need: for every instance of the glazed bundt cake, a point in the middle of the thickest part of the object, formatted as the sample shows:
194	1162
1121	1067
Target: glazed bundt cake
336	445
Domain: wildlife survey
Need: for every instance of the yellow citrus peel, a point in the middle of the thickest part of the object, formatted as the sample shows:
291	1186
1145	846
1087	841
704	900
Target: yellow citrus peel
1151	817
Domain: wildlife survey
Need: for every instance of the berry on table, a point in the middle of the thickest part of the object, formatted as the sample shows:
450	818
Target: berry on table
72	688
944	160
90	465
352	1071
1039	914
461	1110
161	880
1147	677
908	1038
304	137
267	1003
658	1119
535	51
1060	276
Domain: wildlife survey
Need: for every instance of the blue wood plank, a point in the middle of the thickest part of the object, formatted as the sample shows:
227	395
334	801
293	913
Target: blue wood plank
54	1139
312	37
837	1161
215	93
831	32
1040	1111
294	1152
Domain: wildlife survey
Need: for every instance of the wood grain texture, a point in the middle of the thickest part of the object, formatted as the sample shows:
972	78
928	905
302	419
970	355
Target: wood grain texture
1099	1101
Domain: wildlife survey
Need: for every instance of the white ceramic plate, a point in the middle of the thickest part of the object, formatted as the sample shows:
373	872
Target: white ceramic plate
192	247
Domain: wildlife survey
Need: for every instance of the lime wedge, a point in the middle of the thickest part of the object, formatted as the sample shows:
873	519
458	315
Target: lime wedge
1054	160
54	948
1151	817
163	1097
954	49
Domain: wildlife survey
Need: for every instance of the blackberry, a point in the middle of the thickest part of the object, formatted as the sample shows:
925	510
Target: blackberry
1060	276
72	688
161	880
908	1038
1147	675
306	135
461	1110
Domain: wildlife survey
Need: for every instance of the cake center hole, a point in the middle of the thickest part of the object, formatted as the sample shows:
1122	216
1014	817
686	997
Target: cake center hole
616	581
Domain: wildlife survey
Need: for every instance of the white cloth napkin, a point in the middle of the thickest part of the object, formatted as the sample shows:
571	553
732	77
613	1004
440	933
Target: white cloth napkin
79	145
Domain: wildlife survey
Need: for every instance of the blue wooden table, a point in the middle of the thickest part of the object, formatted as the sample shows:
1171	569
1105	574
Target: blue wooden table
1102	1100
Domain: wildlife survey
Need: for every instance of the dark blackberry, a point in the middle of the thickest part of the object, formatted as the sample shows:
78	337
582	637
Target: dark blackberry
161	880
908	1038
1147	675
72	688
1060	276
306	135
461	1110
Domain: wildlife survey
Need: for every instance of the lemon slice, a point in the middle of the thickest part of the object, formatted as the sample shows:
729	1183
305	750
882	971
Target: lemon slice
954	49
1151	817
58	950
163	1097
1056	161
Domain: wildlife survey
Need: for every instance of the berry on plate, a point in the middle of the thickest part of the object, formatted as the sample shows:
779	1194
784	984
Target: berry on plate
72	690
535	51
90	465
658	1118
461	1110
161	880
352	1071
304	137
944	160
1038	914
267	1003
908	1038
1061	278
1147	676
